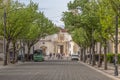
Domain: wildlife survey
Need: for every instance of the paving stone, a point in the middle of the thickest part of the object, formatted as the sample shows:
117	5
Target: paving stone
51	70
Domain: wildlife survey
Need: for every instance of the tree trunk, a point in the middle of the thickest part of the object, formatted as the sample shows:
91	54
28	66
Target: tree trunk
14	53
24	52
28	53
100	57
105	56
84	55
81	56
7	53
90	55
93	54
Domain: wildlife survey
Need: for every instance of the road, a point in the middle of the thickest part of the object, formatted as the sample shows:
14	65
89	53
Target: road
51	70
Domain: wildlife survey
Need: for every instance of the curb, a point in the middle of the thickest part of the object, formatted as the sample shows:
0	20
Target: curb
110	76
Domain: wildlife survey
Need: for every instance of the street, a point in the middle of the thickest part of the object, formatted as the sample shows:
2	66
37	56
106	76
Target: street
51	70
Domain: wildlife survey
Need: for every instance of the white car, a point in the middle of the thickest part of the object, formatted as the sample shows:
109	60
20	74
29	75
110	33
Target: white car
74	57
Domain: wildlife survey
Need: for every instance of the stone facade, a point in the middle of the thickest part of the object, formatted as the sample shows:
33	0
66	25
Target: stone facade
58	43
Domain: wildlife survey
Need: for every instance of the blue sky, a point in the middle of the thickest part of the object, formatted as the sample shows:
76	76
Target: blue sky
52	9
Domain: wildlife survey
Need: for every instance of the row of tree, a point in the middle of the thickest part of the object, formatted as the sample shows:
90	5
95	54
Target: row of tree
91	22
24	24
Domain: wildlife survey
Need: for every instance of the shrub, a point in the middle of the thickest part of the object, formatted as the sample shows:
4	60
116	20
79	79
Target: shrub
97	57
119	58
110	57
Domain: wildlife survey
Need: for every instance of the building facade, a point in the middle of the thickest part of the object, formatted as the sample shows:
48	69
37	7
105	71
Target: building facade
58	43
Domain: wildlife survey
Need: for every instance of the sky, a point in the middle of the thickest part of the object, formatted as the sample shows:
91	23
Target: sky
53	9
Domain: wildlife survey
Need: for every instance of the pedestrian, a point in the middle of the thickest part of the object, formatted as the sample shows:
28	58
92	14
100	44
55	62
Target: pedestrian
101	60
50	55
58	55
114	60
54	55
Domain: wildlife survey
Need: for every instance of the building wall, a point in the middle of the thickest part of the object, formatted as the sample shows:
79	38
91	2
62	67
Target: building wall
53	43
71	44
46	42
112	47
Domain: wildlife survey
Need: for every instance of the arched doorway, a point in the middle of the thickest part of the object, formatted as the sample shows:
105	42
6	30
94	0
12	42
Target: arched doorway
43	49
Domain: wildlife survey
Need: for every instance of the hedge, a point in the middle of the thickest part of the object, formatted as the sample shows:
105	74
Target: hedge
110	57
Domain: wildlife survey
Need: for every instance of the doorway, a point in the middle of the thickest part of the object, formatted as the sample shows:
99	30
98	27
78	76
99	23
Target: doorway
60	49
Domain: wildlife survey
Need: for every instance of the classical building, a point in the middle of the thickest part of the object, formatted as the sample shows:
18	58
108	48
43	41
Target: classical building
58	43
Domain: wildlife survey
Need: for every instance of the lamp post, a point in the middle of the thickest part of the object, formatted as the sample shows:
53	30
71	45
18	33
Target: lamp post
4	43
79	10
4	40
116	48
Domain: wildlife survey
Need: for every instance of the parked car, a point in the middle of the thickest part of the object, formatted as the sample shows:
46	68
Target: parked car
75	57
38	56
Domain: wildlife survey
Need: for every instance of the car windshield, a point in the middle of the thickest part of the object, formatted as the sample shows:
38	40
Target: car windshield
38	52
75	55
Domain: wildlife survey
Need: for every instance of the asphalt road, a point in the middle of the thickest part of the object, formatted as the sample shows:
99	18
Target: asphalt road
51	70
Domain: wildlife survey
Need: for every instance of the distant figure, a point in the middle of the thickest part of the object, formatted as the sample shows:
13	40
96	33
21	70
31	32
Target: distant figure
101	60
58	55
54	54
50	55
61	56
114	60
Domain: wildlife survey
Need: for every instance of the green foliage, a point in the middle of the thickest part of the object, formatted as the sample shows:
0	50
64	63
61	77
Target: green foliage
76	3
119	58
110	57
97	18
24	22
87	19
79	36
106	19
115	6
97	57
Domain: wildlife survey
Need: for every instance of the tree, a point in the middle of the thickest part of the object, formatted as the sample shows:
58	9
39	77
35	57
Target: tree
12	21
40	28
86	19
95	18
26	23
106	29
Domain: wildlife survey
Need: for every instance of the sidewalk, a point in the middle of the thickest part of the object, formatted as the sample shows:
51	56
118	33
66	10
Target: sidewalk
9	65
1	64
109	72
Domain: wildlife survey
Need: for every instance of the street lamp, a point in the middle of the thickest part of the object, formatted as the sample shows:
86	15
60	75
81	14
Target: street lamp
4	43
79	9
116	48
116	44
